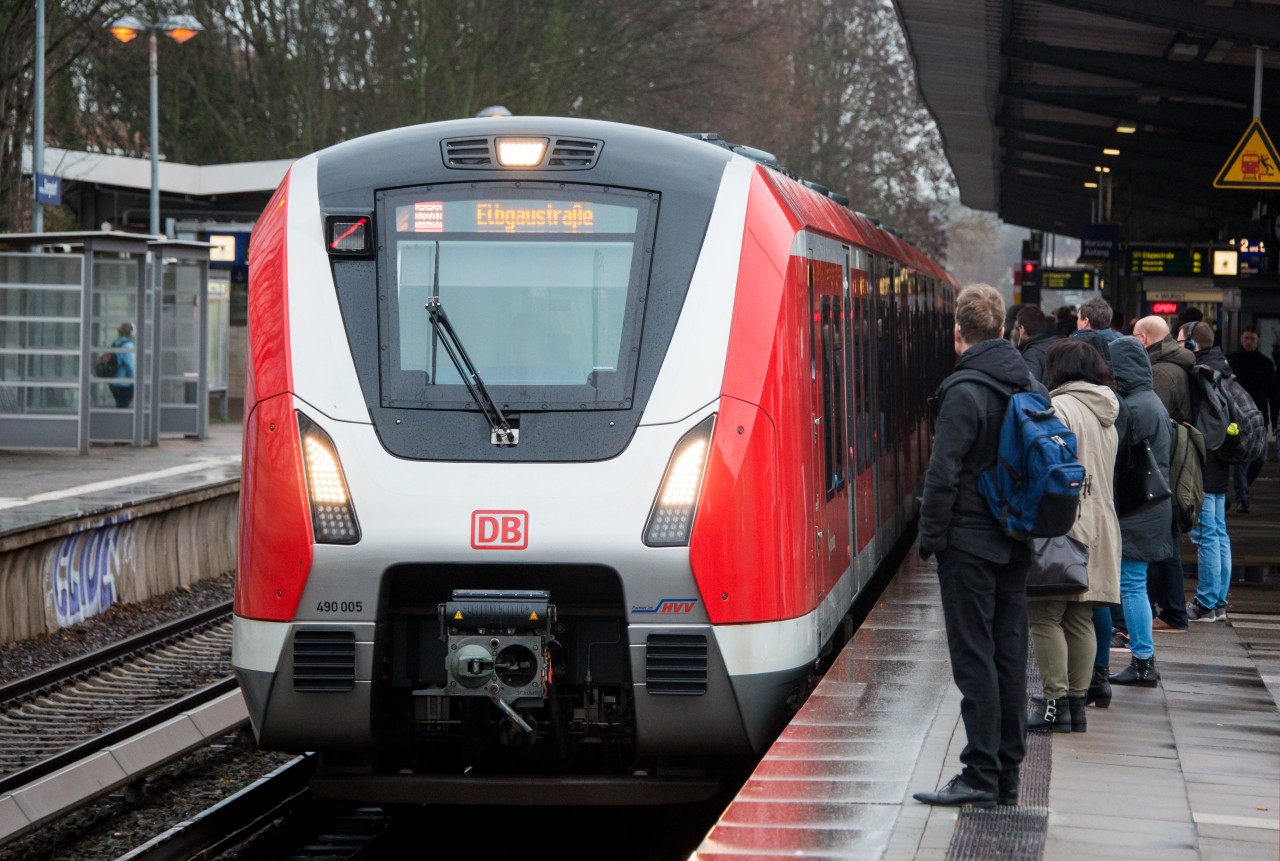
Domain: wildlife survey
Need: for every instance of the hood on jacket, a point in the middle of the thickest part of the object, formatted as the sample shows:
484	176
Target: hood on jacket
1099	400
999	359
1169	350
1213	358
1130	364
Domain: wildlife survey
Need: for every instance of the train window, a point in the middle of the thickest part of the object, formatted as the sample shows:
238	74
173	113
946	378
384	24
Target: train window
832	328
543	286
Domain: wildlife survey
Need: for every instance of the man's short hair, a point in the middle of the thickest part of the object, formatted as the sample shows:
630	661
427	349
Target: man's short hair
1032	319
979	313
1198	332
1097	312
1250	330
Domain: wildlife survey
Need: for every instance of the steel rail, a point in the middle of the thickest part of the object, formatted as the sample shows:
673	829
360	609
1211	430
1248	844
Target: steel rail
110	655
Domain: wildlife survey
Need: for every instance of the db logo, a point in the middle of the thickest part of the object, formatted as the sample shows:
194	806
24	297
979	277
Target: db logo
499	530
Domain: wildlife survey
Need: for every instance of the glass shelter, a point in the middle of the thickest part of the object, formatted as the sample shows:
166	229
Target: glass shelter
93	347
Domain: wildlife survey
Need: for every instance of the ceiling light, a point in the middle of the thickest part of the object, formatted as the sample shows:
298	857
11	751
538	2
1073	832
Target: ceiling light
1090	185
1126	128
1110	151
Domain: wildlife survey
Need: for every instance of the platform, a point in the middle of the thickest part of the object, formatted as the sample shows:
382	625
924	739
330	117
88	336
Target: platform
39	489
1188	770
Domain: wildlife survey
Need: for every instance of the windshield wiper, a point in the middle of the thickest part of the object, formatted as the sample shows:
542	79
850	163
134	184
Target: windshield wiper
501	431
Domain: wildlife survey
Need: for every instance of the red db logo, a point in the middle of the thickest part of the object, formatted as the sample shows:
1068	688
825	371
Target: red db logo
499	530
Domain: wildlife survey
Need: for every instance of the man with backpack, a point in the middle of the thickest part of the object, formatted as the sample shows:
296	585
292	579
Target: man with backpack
1213	545
982	571
1258	377
1170	365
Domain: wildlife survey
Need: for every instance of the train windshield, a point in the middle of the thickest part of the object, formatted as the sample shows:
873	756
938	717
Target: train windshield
543	287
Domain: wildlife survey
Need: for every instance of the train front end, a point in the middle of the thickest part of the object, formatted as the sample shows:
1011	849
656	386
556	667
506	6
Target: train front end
485	372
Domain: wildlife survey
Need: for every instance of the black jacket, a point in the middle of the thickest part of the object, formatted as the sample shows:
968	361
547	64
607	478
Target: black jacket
1146	534
1258	377
1217	473
1033	351
953	513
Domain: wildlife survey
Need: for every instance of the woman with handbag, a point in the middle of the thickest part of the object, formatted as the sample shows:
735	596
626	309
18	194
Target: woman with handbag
1062	624
1142	501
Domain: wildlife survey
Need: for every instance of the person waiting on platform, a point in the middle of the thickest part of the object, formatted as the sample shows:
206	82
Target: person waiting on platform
982	573
123	348
1095	314
1258	377
1146	533
1213	544
1033	339
1062	628
1171	366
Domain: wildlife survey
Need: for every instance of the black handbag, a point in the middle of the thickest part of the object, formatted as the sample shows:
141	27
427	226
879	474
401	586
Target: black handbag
1139	483
1059	566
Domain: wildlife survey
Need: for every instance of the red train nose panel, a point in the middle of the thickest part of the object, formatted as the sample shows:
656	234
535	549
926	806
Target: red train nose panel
275	522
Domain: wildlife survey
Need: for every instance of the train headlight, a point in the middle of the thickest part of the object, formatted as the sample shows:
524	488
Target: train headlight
333	519
521	152
671	519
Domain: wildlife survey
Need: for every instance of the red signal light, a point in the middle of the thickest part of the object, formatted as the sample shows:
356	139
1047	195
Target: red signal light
1028	267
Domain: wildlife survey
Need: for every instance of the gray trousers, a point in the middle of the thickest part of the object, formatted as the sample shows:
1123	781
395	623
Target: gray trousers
1065	645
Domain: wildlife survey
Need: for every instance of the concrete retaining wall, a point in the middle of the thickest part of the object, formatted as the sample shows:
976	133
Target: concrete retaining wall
59	574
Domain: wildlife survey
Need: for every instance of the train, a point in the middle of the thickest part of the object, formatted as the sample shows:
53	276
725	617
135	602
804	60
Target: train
568	446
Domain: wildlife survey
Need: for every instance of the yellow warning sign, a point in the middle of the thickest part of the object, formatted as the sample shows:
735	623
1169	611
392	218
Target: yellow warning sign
457	614
1253	164
533	617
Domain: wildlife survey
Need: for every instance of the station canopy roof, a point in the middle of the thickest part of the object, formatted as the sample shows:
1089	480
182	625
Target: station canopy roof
1028	93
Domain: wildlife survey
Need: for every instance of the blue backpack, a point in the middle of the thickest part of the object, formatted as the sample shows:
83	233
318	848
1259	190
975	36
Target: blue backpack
1034	489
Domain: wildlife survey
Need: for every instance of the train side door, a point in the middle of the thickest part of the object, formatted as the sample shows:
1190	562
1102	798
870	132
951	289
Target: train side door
831	503
859	374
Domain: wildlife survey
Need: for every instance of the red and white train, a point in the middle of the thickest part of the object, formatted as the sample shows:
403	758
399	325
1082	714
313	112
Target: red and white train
568	446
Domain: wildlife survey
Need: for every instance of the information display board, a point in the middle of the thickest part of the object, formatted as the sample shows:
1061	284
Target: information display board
1166	260
1067	279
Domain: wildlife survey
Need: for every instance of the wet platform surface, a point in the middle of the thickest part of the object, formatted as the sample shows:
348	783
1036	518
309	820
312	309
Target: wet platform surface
1187	770
40	489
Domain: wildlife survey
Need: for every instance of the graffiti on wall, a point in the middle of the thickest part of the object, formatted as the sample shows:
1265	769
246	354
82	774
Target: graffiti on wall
81	570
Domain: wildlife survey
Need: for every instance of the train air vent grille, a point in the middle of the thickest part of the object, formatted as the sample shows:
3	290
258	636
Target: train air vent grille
676	664
469	153
570	154
324	661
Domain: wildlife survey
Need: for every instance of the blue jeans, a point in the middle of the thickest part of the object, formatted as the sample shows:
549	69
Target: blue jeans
1102	631
1213	552
1137	606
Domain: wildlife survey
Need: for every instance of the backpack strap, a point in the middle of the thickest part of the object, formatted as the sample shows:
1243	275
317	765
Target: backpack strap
971	376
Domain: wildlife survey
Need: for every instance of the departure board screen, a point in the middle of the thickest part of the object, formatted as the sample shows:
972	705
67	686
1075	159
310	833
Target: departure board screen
1166	260
1066	279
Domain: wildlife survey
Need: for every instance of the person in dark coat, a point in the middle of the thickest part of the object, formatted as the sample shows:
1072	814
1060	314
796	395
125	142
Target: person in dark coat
1171	364
982	573
1213	544
1146	534
1258	377
1033	339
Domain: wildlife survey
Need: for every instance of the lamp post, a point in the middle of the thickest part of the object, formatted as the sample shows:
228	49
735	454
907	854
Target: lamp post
180	28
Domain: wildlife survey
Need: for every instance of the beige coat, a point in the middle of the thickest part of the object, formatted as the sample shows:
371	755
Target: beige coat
1090	411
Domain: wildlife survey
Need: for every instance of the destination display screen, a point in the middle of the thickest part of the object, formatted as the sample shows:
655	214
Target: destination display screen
1066	279
1165	260
493	215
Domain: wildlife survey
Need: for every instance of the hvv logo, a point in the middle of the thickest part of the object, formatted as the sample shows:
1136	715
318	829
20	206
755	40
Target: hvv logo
499	530
669	605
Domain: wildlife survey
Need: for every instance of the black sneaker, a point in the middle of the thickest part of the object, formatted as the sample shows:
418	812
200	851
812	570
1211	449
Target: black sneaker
1196	613
1119	640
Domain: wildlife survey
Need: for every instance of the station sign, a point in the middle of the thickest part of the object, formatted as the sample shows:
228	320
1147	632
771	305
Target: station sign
1253	163
1099	243
1166	260
1067	279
